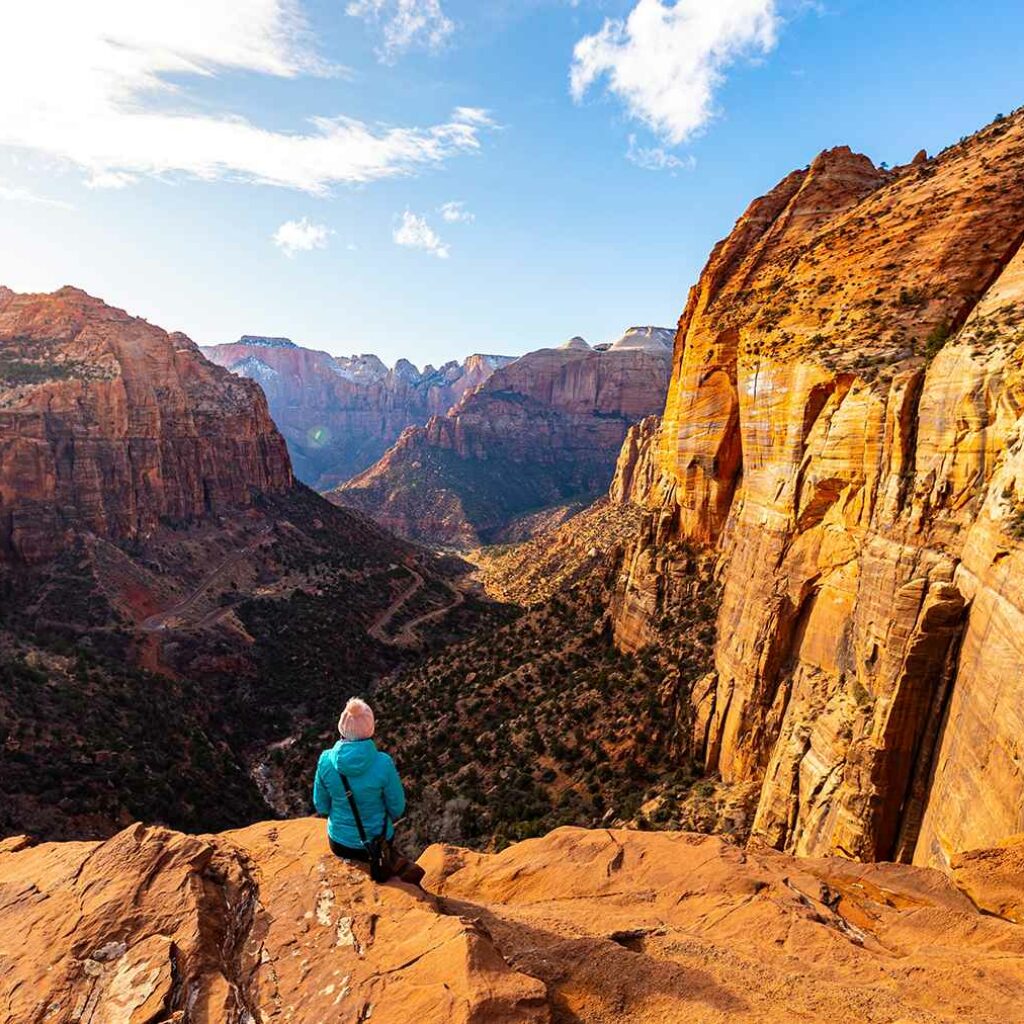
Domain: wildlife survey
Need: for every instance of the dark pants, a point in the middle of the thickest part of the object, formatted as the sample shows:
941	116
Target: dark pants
403	868
348	852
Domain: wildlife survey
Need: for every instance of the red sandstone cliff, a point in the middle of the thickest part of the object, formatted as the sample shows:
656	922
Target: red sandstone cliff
546	428
109	424
338	414
843	422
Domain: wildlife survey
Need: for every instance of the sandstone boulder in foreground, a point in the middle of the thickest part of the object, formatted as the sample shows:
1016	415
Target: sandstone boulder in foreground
263	925
258	925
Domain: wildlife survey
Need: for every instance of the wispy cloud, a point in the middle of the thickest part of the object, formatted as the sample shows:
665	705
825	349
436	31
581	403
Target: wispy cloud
405	24
456	213
92	82
655	158
295	236
476	116
110	179
17	194
666	59
414	232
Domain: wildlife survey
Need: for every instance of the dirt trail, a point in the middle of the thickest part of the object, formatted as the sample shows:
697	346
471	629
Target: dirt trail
378	630
407	634
160	621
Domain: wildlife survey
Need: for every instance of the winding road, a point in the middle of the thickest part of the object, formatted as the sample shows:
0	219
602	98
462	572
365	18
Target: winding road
160	621
407	634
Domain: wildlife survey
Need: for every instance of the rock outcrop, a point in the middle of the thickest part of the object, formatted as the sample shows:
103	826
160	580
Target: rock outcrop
109	424
263	924
340	414
843	423
994	878
636	470
540	431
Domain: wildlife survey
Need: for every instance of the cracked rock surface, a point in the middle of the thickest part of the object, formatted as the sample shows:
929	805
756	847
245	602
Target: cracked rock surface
264	925
258	925
673	926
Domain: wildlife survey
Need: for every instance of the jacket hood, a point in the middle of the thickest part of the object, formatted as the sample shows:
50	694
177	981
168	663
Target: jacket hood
353	757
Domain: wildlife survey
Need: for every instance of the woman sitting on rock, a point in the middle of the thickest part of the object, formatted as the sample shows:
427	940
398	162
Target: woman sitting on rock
358	789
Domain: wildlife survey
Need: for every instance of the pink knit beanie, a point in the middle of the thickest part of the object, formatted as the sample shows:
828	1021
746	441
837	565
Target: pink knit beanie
356	722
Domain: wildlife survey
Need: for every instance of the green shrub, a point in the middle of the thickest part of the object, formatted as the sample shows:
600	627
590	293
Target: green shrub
938	337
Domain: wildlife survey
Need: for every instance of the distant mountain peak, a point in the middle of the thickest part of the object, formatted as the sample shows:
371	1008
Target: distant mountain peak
576	344
650	338
340	413
263	341
406	370
361	369
254	368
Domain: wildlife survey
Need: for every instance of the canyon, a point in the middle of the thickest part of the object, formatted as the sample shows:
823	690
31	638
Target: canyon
156	558
740	739
340	414
545	429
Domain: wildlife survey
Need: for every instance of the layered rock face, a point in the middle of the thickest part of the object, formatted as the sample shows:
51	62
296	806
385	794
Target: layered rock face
340	414
606	926
544	429
843	423
109	424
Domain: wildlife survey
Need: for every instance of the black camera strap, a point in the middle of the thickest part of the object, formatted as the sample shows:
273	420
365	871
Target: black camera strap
355	810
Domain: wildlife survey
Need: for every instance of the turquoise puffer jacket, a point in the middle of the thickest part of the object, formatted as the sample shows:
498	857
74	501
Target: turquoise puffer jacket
375	785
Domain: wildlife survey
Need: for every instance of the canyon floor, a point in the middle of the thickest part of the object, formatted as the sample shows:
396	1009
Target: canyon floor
579	927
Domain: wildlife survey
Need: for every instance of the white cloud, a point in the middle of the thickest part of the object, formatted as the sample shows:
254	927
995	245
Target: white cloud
301	236
657	159
666	59
476	116
92	83
110	179
17	194
406	24
415	233
455	213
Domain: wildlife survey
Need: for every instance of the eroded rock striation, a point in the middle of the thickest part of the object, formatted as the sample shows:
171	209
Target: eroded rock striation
604	926
109	424
843	423
262	924
340	414
540	431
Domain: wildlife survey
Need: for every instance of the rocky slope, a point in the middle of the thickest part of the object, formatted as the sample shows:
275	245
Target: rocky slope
843	426
537	720
540	431
340	414
555	558
607	926
111	425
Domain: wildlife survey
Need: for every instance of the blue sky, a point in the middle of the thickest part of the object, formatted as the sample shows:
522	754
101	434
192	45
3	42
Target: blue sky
152	152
